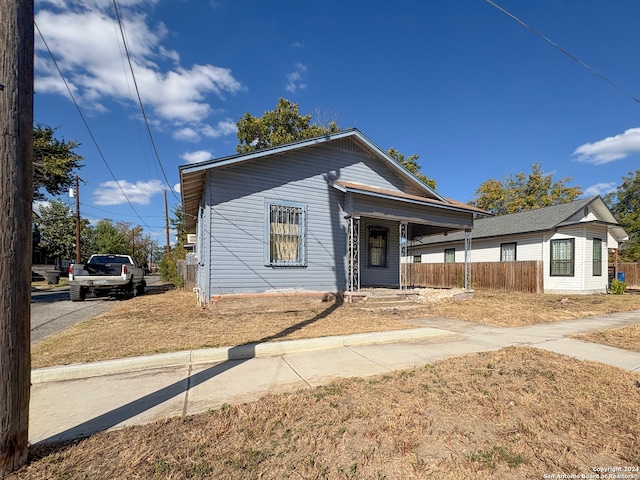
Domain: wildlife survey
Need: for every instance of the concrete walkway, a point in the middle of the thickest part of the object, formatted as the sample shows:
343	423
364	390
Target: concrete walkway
79	400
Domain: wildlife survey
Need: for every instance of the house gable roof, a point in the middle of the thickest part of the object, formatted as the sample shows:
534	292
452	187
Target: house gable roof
193	176
537	220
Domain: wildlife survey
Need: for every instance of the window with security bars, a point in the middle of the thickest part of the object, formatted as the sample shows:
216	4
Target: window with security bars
508	252
285	231
597	257
563	257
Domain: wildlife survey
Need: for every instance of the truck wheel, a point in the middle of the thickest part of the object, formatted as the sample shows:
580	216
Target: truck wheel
76	293
140	288
129	291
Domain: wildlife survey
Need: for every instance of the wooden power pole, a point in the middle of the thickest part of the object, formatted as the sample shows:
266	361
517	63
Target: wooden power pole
76	192
166	221
16	187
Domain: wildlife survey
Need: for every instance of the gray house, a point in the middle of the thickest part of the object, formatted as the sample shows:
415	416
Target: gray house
571	239
329	214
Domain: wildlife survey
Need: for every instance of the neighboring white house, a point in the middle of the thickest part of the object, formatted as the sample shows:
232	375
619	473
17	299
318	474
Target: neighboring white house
572	239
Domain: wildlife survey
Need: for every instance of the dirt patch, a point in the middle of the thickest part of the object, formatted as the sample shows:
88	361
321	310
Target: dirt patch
515	413
172	320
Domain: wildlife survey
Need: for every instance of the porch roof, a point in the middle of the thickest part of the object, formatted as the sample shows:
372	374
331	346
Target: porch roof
382	193
427	216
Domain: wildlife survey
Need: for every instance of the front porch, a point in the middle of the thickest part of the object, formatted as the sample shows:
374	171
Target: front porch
378	253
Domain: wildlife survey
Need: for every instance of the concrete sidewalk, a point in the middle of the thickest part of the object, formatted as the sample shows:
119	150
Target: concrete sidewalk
78	400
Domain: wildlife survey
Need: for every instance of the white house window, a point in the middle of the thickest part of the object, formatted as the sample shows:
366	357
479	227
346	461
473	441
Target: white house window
377	248
449	255
508	252
562	257
597	257
285	230
417	259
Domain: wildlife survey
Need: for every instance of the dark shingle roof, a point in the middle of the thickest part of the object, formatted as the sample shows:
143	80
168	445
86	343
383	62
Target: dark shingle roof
540	219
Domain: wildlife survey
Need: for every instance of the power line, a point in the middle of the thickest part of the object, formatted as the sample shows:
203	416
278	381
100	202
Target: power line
567	53
93	139
118	213
135	83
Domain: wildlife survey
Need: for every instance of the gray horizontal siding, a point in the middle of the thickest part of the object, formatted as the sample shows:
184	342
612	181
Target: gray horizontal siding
378	276
236	223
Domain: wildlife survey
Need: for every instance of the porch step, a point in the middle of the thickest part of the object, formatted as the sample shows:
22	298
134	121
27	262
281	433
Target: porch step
381	296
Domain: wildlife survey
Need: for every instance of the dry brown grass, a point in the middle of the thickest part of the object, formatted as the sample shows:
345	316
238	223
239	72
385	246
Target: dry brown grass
515	413
172	321
627	338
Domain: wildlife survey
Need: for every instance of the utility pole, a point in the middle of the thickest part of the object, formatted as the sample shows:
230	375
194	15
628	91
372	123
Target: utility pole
166	221
16	187
77	195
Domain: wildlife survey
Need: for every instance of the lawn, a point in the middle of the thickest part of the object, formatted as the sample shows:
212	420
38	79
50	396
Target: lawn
171	320
514	413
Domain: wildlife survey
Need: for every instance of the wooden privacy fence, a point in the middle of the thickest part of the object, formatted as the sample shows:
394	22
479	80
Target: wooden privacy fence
631	273
525	276
188	274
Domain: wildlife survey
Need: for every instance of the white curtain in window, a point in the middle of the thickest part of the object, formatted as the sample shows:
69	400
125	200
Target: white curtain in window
508	252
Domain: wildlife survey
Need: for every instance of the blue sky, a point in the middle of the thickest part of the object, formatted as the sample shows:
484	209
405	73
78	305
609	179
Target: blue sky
474	93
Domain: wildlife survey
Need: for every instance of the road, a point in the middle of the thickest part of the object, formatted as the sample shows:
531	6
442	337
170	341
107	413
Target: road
52	311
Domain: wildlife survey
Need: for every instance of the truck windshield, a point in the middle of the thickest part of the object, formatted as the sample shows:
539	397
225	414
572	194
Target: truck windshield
102	259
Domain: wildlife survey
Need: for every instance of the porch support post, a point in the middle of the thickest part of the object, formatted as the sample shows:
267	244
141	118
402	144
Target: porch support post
404	227
467	259
353	248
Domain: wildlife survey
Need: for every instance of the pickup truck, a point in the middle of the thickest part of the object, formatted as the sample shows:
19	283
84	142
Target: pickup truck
103	274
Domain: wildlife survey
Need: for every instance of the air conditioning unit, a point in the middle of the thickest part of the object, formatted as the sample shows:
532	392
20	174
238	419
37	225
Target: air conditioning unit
191	237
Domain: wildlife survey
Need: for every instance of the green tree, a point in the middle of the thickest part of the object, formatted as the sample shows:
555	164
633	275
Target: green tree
524	192
178	224
110	239
412	165
54	162
57	225
278	127
625	205
284	125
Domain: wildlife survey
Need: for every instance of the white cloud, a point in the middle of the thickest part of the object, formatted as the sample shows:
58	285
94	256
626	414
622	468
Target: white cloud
194	132
295	79
195	157
611	148
222	128
187	134
111	192
600	189
85	40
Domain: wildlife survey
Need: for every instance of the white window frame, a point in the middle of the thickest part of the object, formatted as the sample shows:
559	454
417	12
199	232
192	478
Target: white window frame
294	241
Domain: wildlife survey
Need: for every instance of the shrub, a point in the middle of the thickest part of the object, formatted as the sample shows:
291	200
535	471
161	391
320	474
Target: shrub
168	266
617	287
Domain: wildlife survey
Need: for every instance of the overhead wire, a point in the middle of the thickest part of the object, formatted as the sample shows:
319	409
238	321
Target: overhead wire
118	213
135	83
565	52
86	124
